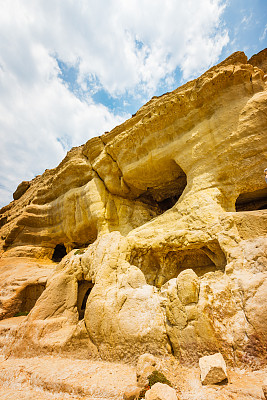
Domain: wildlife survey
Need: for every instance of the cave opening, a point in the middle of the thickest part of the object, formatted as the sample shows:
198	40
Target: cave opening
84	290
28	297
3	221
158	268
252	201
168	203
165	194
59	252
263	207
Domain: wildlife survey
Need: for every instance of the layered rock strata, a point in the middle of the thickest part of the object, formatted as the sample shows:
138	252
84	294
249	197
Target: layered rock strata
163	222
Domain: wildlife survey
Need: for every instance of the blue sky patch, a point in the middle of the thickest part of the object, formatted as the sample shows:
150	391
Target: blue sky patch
121	58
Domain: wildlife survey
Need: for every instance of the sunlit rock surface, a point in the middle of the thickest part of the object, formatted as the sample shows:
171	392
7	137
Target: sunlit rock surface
160	226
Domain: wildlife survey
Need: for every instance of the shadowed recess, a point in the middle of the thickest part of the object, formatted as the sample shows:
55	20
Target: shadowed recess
28	297
158	268
84	290
165	194
59	252
252	201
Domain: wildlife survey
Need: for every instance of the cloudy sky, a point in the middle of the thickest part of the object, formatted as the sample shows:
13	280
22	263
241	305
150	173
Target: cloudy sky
73	69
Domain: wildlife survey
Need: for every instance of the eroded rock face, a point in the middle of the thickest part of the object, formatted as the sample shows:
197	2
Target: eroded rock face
164	223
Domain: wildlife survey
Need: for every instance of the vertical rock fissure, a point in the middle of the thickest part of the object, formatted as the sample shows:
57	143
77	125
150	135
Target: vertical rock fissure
84	290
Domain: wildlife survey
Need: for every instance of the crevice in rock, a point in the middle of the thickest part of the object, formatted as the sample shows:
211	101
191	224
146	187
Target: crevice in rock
252	201
94	170
173	347
84	290
170	344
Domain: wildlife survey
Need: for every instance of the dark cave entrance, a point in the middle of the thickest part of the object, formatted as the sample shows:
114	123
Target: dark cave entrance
158	268
165	194
84	290
59	252
28	297
168	203
263	207
252	201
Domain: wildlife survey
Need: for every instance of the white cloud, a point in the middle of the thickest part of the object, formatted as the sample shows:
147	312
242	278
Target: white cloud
262	37
126	47
247	19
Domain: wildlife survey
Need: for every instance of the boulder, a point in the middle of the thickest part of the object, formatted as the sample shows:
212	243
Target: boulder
188	286
213	369
160	391
21	189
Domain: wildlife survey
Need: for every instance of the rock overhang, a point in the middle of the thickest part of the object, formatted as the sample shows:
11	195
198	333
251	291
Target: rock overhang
148	202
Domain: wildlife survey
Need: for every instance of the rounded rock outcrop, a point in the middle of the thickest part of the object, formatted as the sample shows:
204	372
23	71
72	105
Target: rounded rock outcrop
188	287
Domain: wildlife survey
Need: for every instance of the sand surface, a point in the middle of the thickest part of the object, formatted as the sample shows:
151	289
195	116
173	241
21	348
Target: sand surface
65	377
55	377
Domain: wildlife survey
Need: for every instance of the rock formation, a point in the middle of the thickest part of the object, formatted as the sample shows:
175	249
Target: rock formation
160	226
160	391
213	369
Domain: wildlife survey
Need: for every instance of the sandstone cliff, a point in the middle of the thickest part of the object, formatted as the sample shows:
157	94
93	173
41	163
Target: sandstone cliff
162	222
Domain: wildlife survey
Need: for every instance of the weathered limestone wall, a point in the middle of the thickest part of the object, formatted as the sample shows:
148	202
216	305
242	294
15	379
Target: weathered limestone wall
191	135
168	213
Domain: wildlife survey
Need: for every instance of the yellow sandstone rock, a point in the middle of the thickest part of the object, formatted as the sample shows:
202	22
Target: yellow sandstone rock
161	229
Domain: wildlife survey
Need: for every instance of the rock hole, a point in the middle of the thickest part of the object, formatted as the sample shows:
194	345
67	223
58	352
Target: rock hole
196	259
159	268
166	193
3	221
252	201
59	252
28	297
168	203
84	290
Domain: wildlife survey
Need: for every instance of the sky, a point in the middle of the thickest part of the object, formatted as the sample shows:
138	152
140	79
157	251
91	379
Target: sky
71	70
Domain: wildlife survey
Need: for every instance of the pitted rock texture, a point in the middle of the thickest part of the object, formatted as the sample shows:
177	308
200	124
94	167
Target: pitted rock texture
164	223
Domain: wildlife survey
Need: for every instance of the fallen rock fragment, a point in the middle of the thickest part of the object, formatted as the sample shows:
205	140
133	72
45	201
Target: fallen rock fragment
160	391
213	369
144	361
131	393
